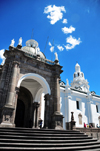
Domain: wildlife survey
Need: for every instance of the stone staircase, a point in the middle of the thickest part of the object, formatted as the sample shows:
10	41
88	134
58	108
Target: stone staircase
25	139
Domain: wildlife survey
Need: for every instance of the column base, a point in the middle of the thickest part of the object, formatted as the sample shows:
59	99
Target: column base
57	120
35	127
7	124
7	116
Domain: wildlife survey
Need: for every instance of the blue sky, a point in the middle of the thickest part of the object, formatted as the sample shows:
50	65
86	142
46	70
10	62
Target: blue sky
73	27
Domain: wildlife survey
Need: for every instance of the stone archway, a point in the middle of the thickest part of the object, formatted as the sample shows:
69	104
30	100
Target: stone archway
37	86
38	78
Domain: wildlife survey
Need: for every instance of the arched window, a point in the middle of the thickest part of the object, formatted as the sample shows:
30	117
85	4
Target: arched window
97	108
78	74
74	75
82	74
77	104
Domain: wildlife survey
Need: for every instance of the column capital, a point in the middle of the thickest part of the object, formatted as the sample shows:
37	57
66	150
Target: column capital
36	104
17	89
47	97
16	62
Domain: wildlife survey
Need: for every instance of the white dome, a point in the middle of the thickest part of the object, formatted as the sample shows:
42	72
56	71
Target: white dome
33	49
30	50
32	43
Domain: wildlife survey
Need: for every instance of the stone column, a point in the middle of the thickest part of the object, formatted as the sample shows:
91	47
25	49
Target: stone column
35	114
8	109
46	118
57	118
2	82
57	95
12	85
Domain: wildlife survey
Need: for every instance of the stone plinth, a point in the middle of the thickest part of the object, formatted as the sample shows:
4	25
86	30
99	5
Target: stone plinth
57	121
7	119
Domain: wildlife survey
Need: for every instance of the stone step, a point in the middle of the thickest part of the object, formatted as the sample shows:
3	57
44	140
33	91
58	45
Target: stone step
42	134
73	148
29	130
39	145
40	139
43	137
95	149
47	141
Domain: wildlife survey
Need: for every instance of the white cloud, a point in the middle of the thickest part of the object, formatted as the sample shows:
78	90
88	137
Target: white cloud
50	44
64	21
1	56
72	42
68	30
55	13
60	48
52	49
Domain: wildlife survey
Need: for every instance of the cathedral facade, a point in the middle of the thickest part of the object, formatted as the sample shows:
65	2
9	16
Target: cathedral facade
31	91
29	88
78	99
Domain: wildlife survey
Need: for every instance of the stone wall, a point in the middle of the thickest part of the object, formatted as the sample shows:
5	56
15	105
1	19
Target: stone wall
94	132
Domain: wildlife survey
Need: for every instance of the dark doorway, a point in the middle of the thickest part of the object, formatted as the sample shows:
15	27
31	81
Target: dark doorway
20	111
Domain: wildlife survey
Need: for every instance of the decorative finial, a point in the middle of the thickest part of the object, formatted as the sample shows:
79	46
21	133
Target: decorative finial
56	56
20	41
12	43
67	82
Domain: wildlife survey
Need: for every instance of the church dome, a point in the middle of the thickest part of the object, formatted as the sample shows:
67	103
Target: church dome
33	49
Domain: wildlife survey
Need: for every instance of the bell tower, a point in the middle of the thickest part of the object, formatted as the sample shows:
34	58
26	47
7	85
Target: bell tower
79	81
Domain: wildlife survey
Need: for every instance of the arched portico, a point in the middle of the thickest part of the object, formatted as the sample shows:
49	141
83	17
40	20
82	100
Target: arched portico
38	78
37	86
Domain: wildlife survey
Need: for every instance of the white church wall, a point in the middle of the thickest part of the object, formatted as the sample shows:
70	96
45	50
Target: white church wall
78	99
87	107
69	105
82	108
95	115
